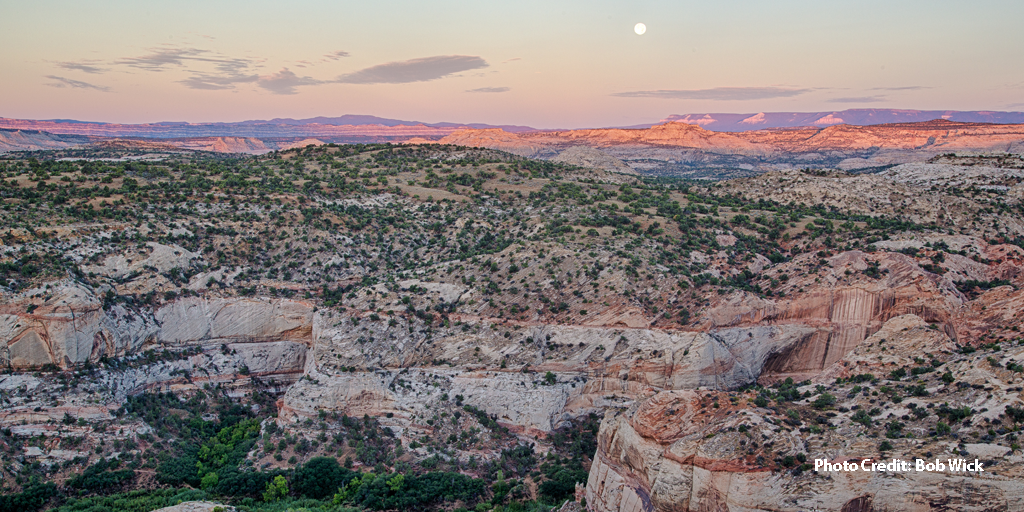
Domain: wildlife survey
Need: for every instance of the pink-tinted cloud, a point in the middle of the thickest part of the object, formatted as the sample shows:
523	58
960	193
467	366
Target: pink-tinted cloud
858	99
717	93
415	70
336	55
84	66
285	82
160	58
61	82
207	82
490	89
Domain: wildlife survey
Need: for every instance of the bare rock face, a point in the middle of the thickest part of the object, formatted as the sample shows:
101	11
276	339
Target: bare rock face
279	363
39	405
195	319
66	324
668	453
161	257
506	376
703	450
521	401
840	311
589	157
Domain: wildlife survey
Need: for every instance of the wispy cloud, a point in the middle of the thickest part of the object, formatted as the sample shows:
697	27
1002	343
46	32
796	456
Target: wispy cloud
904	88
326	58
415	70
490	89
85	66
209	71
858	99
206	82
160	58
61	82
717	93
212	71
285	82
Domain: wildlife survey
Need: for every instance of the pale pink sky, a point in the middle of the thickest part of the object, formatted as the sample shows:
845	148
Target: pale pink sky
539	63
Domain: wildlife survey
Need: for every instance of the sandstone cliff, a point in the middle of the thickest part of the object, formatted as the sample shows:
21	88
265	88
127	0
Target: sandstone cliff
687	450
685	148
65	324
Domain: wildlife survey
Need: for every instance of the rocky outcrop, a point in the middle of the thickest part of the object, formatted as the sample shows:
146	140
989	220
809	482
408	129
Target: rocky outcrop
34	140
65	324
675	452
616	356
195	319
933	136
197	506
161	257
688	149
701	450
839	312
584	156
543	143
42	404
275	363
597	367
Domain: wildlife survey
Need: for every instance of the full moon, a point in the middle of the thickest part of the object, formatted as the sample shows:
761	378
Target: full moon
640	28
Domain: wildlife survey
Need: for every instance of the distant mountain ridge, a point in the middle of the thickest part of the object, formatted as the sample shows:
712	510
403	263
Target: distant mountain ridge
359	120
354	127
856	117
335	129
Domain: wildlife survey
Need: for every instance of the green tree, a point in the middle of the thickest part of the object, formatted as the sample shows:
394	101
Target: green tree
824	400
319	477
395	483
276	489
210	481
500	488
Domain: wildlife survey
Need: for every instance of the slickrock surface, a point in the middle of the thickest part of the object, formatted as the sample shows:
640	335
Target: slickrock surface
584	156
68	326
685	450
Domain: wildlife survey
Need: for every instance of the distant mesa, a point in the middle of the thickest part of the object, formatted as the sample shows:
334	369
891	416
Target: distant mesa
757	119
699	146
858	117
367	128
829	120
317	127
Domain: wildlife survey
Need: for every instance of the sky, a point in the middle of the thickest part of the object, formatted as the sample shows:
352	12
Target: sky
546	64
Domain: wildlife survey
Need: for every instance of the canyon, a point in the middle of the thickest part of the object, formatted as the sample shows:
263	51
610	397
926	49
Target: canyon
722	333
